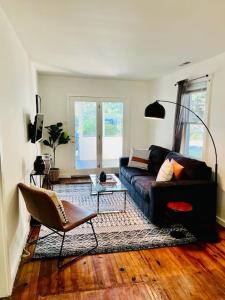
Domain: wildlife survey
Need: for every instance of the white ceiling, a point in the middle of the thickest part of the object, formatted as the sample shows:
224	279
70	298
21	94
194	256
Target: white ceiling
133	39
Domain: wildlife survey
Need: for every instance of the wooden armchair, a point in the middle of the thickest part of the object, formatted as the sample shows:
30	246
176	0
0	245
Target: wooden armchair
42	208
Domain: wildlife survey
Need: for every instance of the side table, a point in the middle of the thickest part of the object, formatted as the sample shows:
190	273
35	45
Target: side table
39	179
178	211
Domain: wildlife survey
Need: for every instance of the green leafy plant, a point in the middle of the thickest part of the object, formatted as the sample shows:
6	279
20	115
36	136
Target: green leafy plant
56	137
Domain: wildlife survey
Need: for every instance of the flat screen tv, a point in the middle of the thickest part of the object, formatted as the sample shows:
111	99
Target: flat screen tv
37	128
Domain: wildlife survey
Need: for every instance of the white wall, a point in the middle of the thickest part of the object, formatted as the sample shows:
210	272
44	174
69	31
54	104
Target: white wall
54	91
161	131
17	104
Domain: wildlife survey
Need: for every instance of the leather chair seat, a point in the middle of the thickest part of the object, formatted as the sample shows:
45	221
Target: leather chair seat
75	215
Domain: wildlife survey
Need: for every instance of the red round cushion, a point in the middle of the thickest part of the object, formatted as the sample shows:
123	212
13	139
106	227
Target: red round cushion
180	206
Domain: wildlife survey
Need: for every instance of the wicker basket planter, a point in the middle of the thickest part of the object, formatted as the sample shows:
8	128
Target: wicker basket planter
54	175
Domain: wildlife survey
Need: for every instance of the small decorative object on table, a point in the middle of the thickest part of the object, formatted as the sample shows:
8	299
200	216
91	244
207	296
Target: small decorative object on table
39	165
102	177
106	179
47	158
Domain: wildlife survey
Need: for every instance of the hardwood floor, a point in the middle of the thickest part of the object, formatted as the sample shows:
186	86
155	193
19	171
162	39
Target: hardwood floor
186	272
80	180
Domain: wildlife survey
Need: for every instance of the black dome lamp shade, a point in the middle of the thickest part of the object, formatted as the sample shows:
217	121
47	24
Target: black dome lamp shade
155	111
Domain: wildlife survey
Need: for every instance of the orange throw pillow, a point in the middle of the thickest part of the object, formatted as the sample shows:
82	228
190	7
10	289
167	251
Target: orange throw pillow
177	169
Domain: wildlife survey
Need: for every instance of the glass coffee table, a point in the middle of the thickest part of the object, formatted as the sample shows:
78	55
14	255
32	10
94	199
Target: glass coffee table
108	188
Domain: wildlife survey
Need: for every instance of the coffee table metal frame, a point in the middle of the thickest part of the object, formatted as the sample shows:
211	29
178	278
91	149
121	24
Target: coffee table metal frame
98	189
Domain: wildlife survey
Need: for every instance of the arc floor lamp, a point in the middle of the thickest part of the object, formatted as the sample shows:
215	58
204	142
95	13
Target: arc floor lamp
156	111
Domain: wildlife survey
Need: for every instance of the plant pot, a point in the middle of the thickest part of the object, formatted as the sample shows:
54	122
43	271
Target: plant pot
54	175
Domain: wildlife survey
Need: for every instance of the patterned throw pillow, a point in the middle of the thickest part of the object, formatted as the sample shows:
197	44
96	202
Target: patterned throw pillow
139	158
56	201
177	169
165	172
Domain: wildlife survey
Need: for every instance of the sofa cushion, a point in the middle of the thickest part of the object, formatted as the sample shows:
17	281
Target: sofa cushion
157	157
142	185
177	169
129	172
193	168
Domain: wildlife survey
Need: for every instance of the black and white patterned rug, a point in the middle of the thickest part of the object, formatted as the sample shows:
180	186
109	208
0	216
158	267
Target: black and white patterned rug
116	232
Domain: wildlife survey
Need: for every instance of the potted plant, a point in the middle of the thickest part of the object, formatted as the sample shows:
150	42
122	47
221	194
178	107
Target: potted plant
56	137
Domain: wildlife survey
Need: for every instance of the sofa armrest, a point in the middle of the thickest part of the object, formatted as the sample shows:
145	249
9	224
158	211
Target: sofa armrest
182	183
124	161
200	193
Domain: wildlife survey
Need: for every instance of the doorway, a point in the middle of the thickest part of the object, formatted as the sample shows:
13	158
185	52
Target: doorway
98	132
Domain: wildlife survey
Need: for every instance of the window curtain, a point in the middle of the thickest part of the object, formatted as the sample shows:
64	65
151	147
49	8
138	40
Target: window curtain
179	116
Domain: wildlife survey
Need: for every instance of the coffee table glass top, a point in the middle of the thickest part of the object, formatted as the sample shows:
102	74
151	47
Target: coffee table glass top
106	187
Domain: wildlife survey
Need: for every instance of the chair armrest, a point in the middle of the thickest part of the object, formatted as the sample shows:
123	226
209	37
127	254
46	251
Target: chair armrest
124	161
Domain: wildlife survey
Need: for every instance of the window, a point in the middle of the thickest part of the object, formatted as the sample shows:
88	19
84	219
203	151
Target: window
88	113
194	130
113	117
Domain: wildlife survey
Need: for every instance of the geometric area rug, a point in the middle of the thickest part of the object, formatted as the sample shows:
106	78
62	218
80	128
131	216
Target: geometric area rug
116	232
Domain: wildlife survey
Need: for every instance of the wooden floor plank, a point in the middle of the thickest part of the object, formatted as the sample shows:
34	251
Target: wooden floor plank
187	272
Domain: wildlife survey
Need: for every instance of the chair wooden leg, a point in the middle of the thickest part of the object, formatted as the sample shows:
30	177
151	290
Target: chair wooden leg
60	258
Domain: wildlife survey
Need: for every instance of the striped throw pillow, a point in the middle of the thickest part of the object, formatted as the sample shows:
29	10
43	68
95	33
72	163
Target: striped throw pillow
139	158
165	172
56	201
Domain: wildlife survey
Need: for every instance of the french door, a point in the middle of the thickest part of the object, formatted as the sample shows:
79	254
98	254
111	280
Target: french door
98	133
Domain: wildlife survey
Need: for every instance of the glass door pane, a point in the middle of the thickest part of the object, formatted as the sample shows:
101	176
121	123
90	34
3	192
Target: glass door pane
85	135
194	140
112	133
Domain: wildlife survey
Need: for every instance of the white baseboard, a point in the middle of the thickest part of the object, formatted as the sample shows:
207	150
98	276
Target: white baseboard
20	252
220	221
